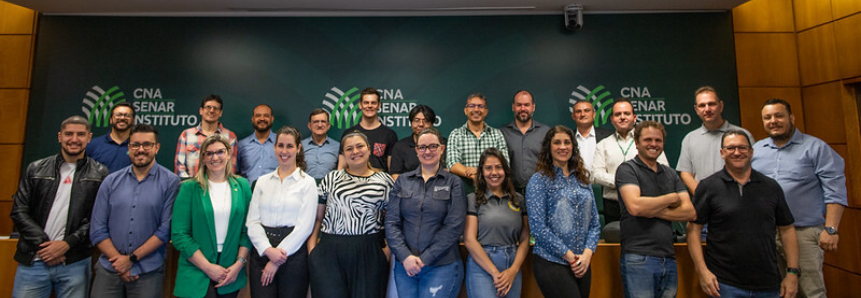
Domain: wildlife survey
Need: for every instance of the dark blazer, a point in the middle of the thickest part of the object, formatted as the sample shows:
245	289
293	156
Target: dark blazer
601	133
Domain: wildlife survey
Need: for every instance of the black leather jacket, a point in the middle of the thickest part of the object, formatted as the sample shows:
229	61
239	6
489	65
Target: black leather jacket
35	196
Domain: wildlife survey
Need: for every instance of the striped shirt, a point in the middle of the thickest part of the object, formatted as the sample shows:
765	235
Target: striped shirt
188	150
354	204
464	148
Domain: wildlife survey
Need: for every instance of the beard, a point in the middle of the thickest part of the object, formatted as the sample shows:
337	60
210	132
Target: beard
524	117
784	136
263	128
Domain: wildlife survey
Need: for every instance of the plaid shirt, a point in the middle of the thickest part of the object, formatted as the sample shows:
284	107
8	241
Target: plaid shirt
188	150
464	148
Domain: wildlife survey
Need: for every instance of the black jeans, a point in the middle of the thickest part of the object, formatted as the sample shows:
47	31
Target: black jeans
557	280
291	279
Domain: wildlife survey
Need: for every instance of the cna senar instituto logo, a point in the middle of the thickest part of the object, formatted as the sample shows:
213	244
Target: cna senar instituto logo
645	106
344	111
149	105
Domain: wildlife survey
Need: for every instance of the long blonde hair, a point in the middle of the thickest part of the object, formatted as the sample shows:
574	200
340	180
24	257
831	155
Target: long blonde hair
202	175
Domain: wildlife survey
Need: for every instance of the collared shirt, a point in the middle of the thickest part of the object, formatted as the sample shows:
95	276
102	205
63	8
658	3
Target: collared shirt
611	152
106	151
586	145
500	220
523	150
700	152
321	159
743	221
809	171
276	203
188	150
404	156
255	158
641	235
129	212
464	148
426	219
562	215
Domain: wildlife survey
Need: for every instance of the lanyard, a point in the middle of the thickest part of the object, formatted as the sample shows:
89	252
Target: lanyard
624	151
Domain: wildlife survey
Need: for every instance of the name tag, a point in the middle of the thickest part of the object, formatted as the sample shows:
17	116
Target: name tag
439	188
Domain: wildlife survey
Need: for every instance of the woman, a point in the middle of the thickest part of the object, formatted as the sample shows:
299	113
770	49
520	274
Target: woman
563	217
497	231
351	258
404	156
208	226
280	219
424	220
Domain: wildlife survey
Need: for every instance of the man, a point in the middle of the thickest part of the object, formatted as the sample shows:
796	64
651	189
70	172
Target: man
811	175
651	196
700	153
112	149
51	211
744	210
587	134
523	137
612	152
188	145
404	157
321	151
131	222
257	151
466	143
380	138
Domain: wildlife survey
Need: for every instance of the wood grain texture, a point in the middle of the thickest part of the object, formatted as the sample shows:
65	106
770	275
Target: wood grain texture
823	112
6	221
853	143
809	13
766	60
842	8
817	55
16	19
11	165
847	38
750	106
847	257
15	58
763	16
13	111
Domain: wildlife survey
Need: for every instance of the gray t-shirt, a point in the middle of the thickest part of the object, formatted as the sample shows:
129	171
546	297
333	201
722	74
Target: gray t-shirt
700	152
499	220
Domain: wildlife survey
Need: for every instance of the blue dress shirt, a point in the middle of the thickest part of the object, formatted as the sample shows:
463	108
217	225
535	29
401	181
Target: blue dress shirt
129	212
809	171
256	159
104	150
321	159
562	215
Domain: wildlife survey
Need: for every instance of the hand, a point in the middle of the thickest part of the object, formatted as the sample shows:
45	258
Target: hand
268	273
277	255
232	273
57	261
52	250
504	280
471	172
215	272
709	283
677	201
828	242
789	286
581	265
413	265
121	264
127	277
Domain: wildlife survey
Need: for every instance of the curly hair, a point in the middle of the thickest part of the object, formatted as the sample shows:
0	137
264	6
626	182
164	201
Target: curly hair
481	183
545	158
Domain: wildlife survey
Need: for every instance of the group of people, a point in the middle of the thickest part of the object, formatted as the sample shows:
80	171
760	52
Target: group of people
372	214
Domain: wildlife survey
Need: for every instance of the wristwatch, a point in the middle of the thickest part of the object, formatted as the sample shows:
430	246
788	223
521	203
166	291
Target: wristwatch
831	230
795	271
133	258
243	260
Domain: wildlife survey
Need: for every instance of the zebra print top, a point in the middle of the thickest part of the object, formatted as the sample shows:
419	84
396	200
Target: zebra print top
354	204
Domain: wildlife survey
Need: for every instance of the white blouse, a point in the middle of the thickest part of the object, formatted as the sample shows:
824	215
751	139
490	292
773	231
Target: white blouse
288	203
219	194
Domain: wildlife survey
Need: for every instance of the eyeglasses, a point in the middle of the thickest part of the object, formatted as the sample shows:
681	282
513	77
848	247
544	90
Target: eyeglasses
473	106
741	149
144	145
432	147
219	153
122	115
420	120
211	108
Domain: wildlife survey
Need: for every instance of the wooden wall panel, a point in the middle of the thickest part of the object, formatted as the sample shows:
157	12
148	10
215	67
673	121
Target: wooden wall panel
847	257
7	266
817	55
823	111
13	111
839	283
809	13
842	8
847	38
16	51
763	16
15	19
766	60
750	106
5	221
853	140
11	165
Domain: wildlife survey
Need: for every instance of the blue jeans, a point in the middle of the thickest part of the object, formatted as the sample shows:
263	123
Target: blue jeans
728	291
479	283
432	282
648	276
37	281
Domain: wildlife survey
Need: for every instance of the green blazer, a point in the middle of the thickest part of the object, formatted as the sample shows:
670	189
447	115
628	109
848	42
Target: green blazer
193	228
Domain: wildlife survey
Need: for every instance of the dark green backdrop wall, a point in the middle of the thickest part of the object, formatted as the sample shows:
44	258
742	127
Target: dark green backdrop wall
165	66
